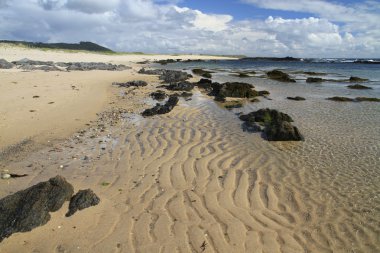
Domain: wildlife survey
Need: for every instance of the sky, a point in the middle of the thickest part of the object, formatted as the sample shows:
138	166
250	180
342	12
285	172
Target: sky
298	28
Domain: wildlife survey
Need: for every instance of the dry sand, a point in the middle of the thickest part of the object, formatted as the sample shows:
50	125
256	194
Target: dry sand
187	181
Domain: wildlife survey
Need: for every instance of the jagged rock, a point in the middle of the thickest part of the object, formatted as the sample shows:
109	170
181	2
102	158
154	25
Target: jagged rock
26	61
297	98
83	199
5	64
359	87
162	109
158	95
132	83
205	84
280	76
277	126
357	79
181	86
164	62
173	76
151	71
314	80
29	208
235	90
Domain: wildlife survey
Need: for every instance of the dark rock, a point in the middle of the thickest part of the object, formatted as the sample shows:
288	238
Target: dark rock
205	84
132	84
314	80
184	94
29	208
158	95
365	99
86	66
311	73
26	61
263	93
164	62
162	109
341	99
83	199
220	98
236	90
359	87
296	98
280	76
151	71
277	126
173	76
357	79
233	105
180	86
201	72
5	64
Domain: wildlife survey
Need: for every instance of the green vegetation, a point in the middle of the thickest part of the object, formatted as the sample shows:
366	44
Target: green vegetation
85	46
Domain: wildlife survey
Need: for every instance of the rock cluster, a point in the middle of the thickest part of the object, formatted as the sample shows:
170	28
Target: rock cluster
275	125
132	84
5	64
30	208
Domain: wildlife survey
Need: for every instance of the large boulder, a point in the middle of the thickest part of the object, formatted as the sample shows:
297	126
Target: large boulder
275	125
173	76
29	208
280	76
5	64
359	87
238	90
83	199
314	80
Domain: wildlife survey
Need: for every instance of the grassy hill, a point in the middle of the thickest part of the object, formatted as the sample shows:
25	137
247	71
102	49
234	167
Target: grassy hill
87	46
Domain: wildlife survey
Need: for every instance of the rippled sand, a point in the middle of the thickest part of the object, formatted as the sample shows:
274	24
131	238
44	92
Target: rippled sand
193	181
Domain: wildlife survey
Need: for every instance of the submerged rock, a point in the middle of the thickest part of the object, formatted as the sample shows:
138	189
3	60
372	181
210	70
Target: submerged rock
276	125
365	99
280	76
359	87
162	109
297	98
5	64
357	79
202	72
314	80
341	99
132	84
29	208
83	199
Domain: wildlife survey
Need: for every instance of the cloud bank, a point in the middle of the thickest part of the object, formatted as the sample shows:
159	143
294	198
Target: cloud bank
332	30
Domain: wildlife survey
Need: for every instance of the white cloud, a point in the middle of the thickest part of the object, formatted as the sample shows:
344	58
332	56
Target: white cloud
162	26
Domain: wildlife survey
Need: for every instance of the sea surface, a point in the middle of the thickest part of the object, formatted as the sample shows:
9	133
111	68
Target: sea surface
335	172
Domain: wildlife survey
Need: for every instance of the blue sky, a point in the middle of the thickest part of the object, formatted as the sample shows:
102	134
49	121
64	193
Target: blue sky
299	28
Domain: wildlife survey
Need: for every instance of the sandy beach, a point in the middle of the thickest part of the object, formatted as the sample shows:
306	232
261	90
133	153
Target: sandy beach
187	181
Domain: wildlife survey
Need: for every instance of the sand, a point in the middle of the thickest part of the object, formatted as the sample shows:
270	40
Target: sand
187	181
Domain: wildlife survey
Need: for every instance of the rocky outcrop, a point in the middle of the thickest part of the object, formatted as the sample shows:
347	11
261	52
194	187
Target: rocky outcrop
358	87
162	109
314	80
151	71
275	125
358	99
297	98
280	76
86	66
357	79
341	99
83	199
5	64
173	76
234	90
180	86
30	208
132	84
